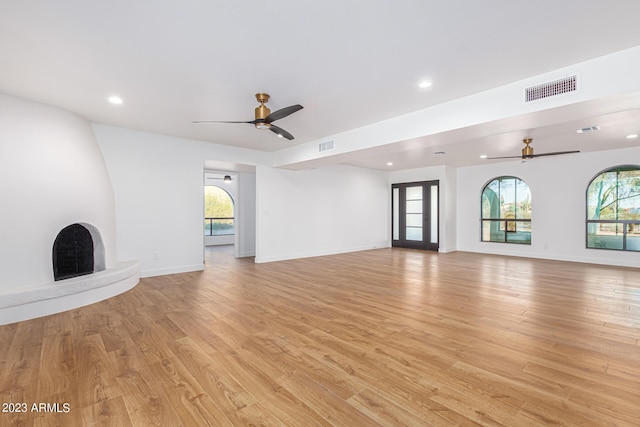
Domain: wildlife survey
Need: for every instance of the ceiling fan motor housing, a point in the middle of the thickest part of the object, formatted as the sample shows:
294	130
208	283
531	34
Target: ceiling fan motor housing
527	151
262	111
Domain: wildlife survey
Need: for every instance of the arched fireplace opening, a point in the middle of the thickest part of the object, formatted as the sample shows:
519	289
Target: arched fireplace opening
73	253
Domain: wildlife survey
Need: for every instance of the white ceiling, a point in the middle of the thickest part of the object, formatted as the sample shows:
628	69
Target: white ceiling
348	63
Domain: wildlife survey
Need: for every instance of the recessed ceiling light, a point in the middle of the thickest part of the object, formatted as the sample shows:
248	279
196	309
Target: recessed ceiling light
632	136
424	84
389	163
483	156
115	100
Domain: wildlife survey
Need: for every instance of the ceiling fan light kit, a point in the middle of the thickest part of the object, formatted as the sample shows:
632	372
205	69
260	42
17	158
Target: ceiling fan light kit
264	117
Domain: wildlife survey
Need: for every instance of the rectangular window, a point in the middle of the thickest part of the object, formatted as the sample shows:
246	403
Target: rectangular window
633	236
629	195
506	231
521	233
617	235
605	235
493	231
508	198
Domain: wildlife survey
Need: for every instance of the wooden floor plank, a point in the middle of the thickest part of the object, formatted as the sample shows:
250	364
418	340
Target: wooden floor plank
218	384
107	413
384	337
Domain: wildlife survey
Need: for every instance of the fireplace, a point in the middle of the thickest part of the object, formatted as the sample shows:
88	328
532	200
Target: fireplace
72	253
67	258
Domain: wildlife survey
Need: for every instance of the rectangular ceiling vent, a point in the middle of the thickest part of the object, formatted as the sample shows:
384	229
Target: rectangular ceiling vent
556	87
588	129
326	146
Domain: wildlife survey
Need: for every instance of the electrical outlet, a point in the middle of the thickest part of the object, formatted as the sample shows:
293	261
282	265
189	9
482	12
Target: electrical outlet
156	255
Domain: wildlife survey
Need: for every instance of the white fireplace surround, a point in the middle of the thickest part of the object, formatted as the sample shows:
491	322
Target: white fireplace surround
52	175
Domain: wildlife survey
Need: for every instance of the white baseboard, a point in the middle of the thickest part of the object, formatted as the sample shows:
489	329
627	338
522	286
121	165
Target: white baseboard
285	257
171	270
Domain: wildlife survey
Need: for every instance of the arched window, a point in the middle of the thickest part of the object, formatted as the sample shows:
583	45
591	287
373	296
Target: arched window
506	211
613	209
218	212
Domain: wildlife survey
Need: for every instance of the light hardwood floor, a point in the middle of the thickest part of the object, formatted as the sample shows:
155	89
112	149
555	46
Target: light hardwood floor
383	337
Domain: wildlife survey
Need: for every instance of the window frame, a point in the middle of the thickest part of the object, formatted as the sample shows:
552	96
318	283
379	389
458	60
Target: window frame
506	221
210	220
625	223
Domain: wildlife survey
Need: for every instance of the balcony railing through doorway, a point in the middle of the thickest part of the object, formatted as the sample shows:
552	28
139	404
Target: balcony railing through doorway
219	226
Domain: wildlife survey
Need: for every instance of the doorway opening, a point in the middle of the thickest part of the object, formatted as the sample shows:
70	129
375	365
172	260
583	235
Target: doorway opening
219	217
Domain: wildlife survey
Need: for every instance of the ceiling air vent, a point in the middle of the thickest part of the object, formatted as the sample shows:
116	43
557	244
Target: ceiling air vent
545	90
588	129
326	146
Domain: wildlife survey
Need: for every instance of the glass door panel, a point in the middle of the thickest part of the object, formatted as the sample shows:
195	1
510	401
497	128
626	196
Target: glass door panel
413	206
413	216
414	234
434	214
414	193
396	214
414	220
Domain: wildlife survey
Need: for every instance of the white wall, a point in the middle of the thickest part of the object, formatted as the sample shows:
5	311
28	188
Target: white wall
558	194
229	239
446	175
246	215
320	211
157	182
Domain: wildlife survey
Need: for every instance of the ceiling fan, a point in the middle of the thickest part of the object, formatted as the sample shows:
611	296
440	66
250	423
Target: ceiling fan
264	118
527	152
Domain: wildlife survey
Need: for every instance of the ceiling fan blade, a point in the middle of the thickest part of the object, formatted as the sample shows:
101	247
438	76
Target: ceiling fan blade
281	114
505	157
555	153
218	121
280	131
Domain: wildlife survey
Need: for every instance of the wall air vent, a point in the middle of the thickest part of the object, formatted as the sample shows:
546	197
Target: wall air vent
326	146
545	90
